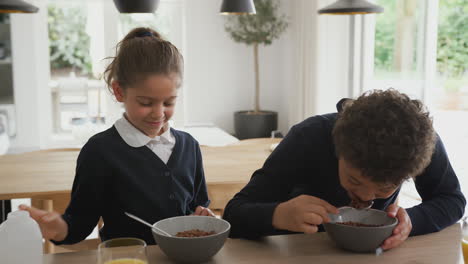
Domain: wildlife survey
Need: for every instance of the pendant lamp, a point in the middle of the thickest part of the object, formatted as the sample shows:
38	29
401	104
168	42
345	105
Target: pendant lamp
351	7
16	6
237	7
136	6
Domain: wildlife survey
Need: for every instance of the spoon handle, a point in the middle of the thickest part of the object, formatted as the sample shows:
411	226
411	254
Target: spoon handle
148	224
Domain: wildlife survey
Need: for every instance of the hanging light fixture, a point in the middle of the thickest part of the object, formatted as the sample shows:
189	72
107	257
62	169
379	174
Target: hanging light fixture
237	7
351	7
16	6
136	6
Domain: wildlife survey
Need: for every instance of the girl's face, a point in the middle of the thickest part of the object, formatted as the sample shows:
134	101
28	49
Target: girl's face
149	105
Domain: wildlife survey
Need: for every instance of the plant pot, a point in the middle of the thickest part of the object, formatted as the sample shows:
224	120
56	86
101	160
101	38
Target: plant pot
250	124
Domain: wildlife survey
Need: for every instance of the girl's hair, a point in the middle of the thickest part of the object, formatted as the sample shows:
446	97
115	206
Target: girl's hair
143	52
386	135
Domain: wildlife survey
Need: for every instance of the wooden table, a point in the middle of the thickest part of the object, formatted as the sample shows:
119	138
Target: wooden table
47	176
49	173
441	247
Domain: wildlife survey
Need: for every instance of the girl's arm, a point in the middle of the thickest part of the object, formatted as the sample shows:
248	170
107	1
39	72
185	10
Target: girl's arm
200	199
84	210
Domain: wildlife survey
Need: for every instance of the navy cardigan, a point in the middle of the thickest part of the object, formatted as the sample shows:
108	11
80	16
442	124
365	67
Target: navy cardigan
305	162
113	177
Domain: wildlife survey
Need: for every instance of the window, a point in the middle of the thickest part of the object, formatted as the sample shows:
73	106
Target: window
427	59
450	91
74	102
78	31
399	42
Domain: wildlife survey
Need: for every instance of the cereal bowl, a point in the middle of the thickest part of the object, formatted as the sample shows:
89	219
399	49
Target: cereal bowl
360	230
191	249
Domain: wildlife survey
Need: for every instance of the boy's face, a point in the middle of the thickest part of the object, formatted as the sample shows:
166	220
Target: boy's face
150	104
360	188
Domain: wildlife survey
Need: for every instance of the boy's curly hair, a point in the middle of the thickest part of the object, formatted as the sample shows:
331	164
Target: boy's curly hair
386	135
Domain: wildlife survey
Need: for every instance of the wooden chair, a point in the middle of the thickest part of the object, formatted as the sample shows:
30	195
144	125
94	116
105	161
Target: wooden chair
70	95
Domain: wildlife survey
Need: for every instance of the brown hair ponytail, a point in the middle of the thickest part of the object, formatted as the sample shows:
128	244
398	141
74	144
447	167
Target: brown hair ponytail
141	53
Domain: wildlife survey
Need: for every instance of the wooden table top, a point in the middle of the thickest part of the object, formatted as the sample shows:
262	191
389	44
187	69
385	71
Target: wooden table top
52	172
440	247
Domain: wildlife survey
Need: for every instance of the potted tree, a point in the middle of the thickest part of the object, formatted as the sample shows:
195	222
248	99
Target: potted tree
253	30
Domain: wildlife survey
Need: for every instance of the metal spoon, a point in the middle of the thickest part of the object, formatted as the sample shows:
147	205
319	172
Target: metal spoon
148	224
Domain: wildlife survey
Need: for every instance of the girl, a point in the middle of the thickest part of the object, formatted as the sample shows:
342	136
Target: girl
140	165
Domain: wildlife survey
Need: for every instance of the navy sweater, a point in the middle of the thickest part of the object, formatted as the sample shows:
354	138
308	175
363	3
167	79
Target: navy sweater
113	177
305	163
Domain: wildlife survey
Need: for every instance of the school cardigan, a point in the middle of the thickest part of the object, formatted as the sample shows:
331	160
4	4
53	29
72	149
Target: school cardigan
305	163
113	177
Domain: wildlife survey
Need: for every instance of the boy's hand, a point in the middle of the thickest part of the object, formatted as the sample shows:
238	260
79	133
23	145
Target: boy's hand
401	231
203	211
51	224
302	214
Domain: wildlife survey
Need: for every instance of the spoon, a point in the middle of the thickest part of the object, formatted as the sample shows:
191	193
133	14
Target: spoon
148	224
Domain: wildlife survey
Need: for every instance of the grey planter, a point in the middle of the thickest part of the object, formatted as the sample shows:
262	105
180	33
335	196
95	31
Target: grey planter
248	124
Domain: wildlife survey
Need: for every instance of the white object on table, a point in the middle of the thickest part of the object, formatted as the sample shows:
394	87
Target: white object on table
209	135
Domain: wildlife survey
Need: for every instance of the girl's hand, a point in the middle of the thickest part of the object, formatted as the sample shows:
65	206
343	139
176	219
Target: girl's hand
200	210
302	214
401	231
51	224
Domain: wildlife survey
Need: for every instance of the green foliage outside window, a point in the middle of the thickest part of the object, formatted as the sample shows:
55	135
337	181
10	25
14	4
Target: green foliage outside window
452	44
69	42
385	29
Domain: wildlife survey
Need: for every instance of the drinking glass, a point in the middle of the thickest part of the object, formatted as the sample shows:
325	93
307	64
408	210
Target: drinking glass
465	238
125	250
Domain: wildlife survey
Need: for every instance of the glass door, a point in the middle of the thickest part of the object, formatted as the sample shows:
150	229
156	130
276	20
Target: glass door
420	49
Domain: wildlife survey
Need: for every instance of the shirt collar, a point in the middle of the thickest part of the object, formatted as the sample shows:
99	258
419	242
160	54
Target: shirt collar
135	138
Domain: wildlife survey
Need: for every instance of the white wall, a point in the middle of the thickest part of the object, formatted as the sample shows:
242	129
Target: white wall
319	62
30	47
332	57
219	73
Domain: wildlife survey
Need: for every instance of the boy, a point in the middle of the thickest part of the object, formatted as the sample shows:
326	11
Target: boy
359	156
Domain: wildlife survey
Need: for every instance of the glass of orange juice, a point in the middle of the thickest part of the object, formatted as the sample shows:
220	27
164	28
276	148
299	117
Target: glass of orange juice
465	238
126	250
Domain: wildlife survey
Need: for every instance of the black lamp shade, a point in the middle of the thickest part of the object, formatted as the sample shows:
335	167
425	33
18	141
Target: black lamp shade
351	7
136	6
16	6
230	7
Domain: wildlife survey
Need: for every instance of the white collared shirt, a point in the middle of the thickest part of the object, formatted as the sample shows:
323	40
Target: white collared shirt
161	145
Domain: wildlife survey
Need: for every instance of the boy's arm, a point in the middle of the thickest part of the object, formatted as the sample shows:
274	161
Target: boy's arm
251	210
442	200
83	212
